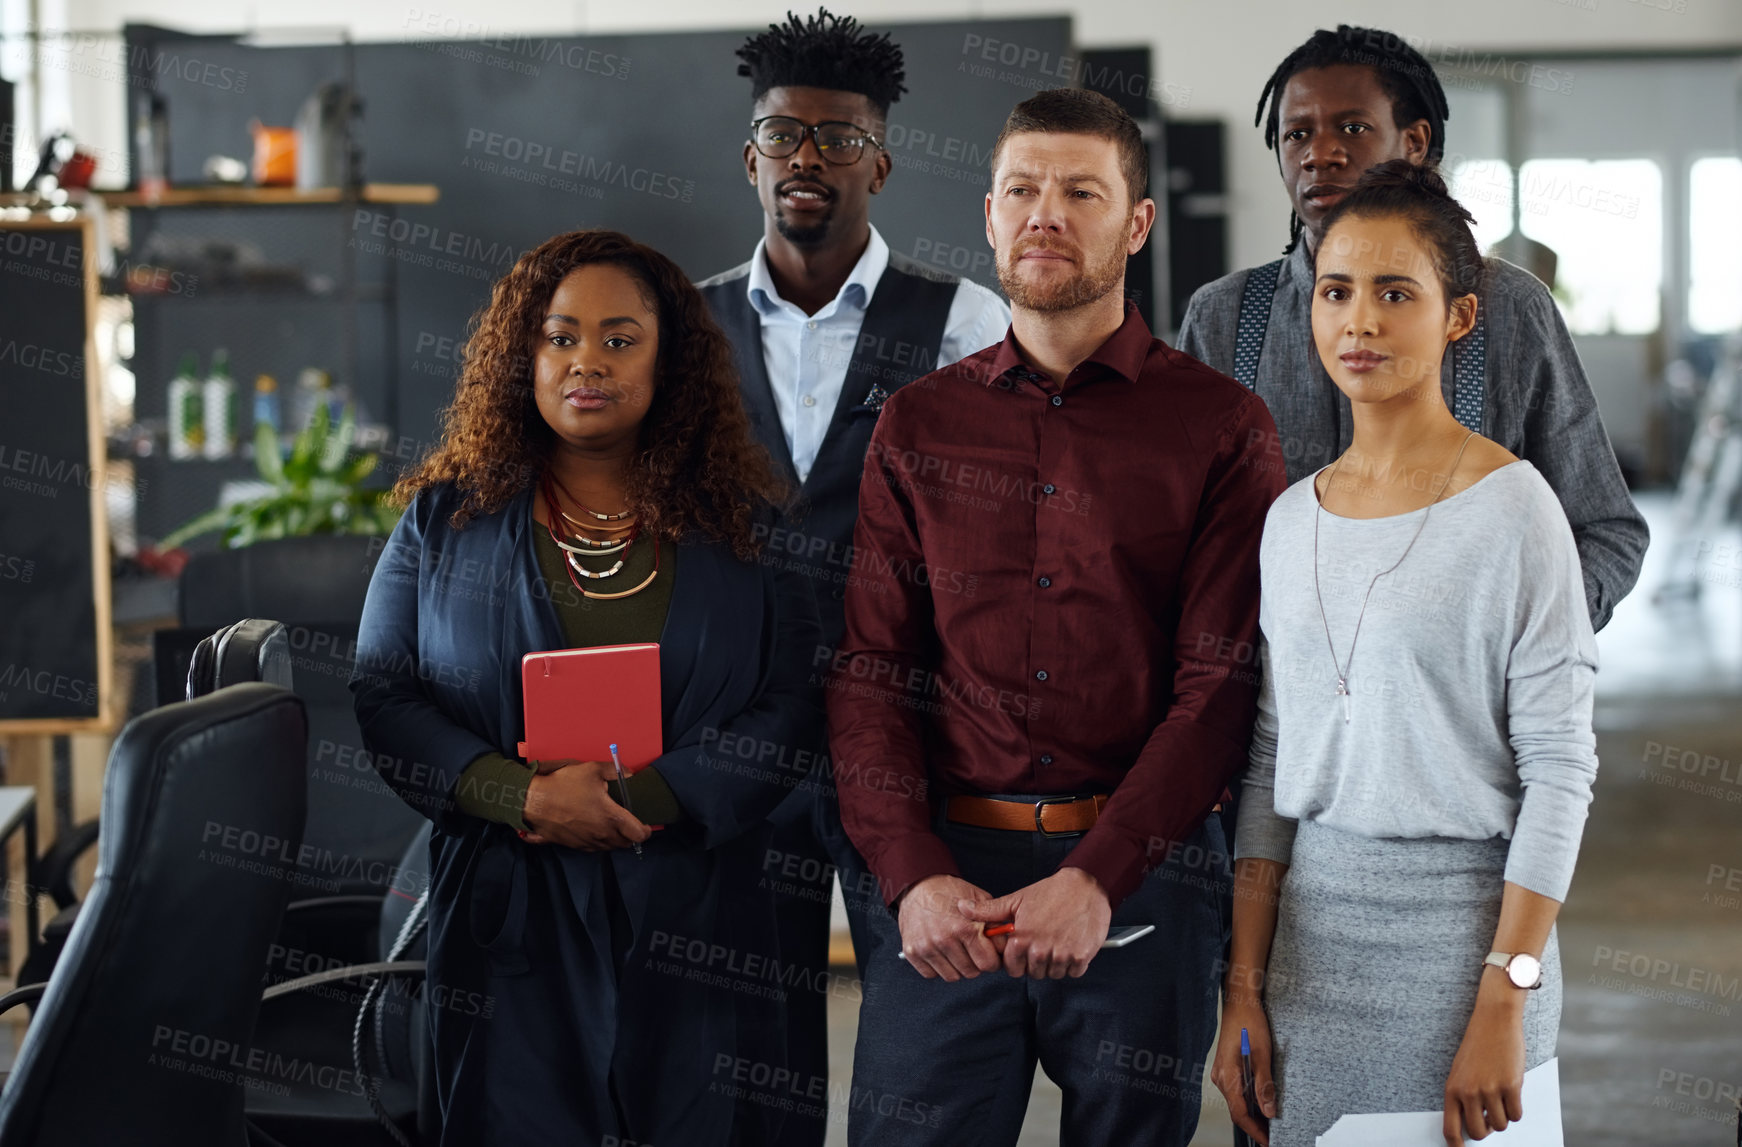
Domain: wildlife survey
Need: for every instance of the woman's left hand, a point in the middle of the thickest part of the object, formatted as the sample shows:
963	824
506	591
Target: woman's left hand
1484	1090
570	804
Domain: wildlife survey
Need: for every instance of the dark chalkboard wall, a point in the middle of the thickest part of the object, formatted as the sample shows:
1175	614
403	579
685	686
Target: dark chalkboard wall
49	579
529	136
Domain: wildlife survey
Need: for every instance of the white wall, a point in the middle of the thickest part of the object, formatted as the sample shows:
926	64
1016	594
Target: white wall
1213	54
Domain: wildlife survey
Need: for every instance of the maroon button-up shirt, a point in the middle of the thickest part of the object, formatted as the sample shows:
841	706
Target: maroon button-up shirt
1055	590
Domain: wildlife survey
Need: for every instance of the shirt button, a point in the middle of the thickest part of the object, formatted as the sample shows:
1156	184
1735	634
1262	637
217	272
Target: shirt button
1040	675
1058	400
1049	488
1046	758
812	324
1044	582
809	400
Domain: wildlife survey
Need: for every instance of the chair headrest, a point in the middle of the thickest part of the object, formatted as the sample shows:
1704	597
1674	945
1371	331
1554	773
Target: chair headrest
253	649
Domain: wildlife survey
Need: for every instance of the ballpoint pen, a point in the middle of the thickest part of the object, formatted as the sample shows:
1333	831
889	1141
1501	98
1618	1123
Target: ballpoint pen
1248	1091
623	787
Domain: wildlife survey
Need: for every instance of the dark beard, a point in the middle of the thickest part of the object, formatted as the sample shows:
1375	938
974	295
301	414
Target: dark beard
802	236
1095	282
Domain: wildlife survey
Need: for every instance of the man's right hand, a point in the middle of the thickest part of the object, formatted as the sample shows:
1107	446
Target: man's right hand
936	938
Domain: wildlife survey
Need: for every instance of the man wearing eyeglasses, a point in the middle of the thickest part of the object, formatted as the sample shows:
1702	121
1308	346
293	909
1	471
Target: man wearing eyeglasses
826	322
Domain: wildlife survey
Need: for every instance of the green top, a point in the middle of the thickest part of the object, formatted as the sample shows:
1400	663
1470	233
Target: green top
494	786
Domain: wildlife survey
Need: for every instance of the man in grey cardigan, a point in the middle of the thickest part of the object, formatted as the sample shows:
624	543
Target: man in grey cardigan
1339	104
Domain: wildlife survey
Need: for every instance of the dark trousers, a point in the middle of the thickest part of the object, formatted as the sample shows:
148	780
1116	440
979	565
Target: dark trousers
951	1064
808	852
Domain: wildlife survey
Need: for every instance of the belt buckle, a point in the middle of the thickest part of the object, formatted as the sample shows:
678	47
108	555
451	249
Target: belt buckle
1041	828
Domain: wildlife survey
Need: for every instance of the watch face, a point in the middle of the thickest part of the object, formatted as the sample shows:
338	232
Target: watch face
1524	971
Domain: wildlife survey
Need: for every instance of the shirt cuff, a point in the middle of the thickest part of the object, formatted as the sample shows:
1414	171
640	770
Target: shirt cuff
1115	862
650	798
493	787
908	860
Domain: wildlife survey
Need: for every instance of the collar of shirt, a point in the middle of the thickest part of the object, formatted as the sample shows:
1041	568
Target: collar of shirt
1123	354
765	297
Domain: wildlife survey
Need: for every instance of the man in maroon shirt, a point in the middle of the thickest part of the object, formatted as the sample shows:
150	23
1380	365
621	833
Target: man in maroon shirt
1047	679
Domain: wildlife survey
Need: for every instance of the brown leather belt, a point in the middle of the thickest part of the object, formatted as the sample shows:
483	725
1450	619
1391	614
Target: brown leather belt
1049	816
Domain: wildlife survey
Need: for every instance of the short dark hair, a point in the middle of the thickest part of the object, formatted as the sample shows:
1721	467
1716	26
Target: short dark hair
1404	75
1398	187
824	51
1077	111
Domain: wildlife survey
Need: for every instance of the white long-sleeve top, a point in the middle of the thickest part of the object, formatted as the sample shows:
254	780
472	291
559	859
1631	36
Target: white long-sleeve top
1469	707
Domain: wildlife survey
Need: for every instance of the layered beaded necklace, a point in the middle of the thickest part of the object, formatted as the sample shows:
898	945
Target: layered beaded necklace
619	533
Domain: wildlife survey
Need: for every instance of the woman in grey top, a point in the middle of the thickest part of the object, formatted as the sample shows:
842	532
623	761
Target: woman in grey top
1424	756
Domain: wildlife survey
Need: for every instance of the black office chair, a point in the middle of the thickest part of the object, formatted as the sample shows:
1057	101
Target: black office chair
366	1018
316	585
249	650
143	1034
359	1007
252	649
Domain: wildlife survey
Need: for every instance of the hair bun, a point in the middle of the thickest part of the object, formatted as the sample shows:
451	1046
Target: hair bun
1418	193
1401	173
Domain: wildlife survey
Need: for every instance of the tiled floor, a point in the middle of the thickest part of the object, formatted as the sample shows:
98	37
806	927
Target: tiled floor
1651	935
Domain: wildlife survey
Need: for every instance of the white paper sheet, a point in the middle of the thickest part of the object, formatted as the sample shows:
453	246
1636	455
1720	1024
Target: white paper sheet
1540	1127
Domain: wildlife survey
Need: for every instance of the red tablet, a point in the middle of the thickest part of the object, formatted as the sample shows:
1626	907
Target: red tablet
581	701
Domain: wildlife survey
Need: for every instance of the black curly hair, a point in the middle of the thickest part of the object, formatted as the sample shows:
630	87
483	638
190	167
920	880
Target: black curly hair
697	467
824	51
1404	75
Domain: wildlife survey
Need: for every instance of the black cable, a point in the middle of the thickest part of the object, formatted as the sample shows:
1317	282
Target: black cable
408	932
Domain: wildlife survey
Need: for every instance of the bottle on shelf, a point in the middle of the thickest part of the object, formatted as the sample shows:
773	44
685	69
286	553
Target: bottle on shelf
220	408
314	388
187	420
266	406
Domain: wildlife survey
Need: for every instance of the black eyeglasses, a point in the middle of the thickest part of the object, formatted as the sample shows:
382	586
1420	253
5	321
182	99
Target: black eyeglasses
779	136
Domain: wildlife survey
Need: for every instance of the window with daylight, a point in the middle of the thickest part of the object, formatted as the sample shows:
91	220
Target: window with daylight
1715	250
1484	187
1604	220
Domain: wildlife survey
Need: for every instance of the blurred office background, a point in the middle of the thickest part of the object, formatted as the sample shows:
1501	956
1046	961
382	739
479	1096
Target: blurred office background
1596	141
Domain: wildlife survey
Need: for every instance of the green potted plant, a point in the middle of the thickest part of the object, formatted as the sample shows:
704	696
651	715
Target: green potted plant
317	490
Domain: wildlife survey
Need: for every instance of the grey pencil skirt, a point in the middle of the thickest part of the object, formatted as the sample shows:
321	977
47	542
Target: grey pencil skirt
1373	973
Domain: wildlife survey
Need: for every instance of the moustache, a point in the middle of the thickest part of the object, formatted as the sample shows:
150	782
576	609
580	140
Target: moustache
1056	248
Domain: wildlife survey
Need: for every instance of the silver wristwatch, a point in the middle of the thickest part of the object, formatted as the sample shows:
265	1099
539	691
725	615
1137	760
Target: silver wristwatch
1523	970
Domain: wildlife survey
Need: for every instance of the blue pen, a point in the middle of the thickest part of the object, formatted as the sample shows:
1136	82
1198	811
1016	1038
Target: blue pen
1248	1090
623	787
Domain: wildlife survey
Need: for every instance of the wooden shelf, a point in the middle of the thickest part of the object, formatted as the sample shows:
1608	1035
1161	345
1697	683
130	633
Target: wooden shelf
406	193
400	193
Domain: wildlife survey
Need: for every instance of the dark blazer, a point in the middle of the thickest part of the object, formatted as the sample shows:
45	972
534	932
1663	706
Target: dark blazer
578	995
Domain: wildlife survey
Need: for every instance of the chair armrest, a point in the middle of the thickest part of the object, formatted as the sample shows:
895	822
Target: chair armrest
28	994
349	972
53	870
325	903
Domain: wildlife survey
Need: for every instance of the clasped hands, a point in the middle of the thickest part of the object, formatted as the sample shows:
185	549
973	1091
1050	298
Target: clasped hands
569	803
1060	924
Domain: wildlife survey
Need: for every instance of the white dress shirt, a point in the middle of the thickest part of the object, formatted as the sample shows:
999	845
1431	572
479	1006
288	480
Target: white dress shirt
806	356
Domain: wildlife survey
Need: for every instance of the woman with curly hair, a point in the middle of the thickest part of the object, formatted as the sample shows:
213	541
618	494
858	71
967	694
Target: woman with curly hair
596	484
